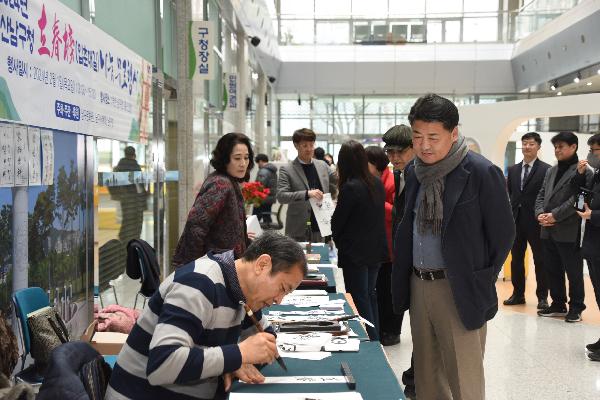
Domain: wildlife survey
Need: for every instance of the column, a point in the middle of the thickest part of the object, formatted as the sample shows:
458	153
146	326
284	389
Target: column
259	120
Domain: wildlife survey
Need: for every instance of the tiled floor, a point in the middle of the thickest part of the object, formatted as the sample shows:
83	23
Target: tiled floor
529	357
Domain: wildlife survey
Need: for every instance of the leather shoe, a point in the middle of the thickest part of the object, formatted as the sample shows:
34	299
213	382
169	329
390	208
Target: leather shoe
514	300
543	303
388	339
410	392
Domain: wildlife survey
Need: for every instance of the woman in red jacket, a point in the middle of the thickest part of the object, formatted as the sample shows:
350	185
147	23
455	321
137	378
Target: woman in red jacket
217	220
389	323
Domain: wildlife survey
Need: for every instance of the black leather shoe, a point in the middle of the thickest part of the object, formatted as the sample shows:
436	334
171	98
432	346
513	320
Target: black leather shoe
542	304
410	392
514	300
595	356
593	347
388	339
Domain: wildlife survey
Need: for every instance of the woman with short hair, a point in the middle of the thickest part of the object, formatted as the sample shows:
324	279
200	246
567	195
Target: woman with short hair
217	220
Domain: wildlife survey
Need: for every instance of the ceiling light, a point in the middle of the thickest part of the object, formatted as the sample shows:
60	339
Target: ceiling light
598	71
589	83
554	85
577	78
559	94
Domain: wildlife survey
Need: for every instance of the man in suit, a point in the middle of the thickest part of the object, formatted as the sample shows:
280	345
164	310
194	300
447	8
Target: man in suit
561	229
303	178
450	245
524	182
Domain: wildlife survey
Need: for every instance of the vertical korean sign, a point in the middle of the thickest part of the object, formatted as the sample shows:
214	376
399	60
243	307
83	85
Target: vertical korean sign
231	89
59	71
201	50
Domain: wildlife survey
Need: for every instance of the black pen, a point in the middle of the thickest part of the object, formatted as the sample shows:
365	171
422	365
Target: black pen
345	318
259	327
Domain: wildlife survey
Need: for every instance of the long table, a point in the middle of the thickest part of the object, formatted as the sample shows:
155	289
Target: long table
374	377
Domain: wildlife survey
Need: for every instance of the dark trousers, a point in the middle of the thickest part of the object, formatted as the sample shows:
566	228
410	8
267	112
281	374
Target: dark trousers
389	323
594	268
528	230
361	282
561	257
263	212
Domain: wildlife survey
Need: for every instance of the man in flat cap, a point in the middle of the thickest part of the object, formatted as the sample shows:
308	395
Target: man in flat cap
398	147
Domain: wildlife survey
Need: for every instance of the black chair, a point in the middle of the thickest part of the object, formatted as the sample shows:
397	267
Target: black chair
142	264
274	225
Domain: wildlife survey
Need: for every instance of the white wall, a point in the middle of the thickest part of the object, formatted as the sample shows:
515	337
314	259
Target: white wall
492	125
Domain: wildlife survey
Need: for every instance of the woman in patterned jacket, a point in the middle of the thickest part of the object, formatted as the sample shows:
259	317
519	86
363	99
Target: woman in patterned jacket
217	220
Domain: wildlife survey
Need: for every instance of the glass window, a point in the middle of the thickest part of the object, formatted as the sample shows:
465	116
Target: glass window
434	31
452	31
480	5
297	31
480	29
362	31
379	106
332	32
399	32
296	9
323	105
407	8
372	125
323	126
291	107
332	8
417	33
439	8
370	8
380	31
289	125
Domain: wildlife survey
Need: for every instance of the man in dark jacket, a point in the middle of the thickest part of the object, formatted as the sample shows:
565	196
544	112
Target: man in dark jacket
524	182
590	248
450	245
267	175
561	230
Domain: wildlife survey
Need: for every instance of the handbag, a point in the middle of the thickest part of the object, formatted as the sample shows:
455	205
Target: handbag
95	375
47	331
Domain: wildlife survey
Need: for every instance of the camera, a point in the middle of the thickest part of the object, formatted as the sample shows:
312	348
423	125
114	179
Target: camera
584	196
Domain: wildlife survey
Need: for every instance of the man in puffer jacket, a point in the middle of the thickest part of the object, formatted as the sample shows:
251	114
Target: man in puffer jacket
267	175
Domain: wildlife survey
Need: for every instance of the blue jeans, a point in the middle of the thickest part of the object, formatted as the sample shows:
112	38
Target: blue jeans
361	281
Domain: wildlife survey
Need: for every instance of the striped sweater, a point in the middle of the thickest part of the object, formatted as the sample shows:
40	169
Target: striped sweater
186	338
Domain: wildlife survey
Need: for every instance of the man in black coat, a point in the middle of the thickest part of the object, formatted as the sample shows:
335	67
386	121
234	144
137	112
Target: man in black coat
561	231
450	245
524	182
590	248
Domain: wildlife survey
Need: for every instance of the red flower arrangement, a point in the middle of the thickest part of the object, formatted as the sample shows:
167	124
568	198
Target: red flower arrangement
254	193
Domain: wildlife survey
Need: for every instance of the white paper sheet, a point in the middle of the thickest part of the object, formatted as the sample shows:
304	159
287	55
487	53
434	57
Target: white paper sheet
253	225
7	156
21	156
305	355
47	157
296	396
305	301
35	165
323	211
274	380
312	292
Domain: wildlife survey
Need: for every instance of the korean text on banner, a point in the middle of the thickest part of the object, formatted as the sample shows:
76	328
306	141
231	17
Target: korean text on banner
202	41
59	71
